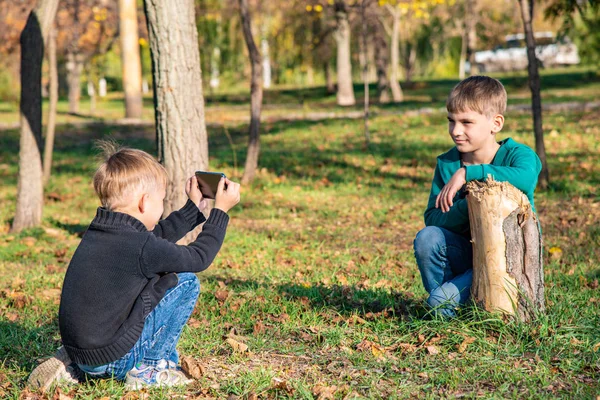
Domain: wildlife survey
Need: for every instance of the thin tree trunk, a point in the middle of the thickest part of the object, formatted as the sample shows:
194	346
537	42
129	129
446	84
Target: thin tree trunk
215	59
178	99
256	95
397	95
534	85
463	49
330	86
30	191
365	71
74	68
53	98
345	90
130	58
471	35
381	63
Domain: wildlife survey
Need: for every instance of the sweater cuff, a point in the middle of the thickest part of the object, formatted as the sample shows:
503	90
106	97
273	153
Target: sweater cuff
474	172
218	217
192	214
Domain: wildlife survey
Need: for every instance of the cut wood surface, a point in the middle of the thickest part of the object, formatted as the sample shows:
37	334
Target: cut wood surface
507	258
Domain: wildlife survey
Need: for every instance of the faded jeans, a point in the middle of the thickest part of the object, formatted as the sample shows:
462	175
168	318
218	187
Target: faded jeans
161	332
445	260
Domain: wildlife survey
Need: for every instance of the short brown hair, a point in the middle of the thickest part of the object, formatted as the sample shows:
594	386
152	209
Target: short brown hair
482	94
125	171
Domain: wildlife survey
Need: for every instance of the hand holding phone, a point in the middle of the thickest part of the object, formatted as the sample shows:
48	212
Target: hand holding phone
228	195
208	182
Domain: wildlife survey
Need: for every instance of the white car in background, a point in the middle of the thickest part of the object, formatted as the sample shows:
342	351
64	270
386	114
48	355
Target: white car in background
512	55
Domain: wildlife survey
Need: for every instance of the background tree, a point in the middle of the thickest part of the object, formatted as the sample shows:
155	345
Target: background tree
534	84
53	97
130	56
345	90
256	95
178	97
30	191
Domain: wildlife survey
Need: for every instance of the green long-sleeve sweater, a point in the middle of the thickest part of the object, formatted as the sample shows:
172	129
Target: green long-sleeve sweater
514	163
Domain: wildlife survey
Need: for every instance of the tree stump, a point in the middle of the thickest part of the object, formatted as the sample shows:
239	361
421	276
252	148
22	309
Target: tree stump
508	274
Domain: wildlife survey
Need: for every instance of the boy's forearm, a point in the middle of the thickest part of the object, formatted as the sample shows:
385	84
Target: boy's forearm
456	220
179	222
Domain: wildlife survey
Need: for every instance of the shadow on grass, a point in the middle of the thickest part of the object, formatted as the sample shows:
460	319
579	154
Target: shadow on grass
345	300
23	346
73	229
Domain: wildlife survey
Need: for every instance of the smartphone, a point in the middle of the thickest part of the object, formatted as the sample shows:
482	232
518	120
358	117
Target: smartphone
208	183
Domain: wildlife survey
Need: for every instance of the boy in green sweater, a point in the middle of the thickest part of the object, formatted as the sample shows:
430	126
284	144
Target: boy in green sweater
443	248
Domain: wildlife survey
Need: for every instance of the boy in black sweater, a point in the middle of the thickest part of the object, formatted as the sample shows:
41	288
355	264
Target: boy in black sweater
129	289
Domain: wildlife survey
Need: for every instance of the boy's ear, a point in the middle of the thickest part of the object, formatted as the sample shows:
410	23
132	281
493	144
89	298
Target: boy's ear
497	123
142	203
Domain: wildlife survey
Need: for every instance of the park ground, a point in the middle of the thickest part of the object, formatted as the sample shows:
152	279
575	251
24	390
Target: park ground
317	276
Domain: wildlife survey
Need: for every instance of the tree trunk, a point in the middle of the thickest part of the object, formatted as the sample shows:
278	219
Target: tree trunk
410	58
30	192
365	70
130	58
330	86
397	95
74	68
463	49
472	35
178	98
508	274
50	127
534	85
345	90
381	63
256	95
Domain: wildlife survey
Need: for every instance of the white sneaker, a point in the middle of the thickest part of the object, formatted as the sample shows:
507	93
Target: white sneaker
165	374
57	369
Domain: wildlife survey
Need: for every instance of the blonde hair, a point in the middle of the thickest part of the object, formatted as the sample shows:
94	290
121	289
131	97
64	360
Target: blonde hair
482	94
124	172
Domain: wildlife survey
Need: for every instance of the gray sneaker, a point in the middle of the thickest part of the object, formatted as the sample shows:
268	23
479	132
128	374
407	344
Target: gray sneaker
57	369
164	374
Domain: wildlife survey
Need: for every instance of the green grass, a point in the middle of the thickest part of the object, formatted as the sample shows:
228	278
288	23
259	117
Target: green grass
319	269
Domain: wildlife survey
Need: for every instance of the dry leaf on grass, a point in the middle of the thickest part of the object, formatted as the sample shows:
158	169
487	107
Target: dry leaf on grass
237	346
465	343
192	368
221	295
433	350
324	392
280	384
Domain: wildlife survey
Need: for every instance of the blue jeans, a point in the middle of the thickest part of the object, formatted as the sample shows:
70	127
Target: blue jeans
445	260
161	332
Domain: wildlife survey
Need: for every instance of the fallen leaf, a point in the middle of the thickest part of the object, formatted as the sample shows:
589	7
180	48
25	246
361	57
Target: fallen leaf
279	318
324	392
465	343
280	384
258	328
28	241
221	295
555	253
237	346
596	347
192	368
432	350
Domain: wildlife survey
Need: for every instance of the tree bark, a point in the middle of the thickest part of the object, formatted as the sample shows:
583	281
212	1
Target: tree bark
381	62
397	95
345	89
534	85
53	99
130	58
30	191
508	274
74	67
256	95
329	85
178	99
365	71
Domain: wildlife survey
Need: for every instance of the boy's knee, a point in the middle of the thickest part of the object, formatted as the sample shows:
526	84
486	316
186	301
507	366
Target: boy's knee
428	239
189	279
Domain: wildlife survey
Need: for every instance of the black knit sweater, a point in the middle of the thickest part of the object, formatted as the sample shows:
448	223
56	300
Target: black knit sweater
119	273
